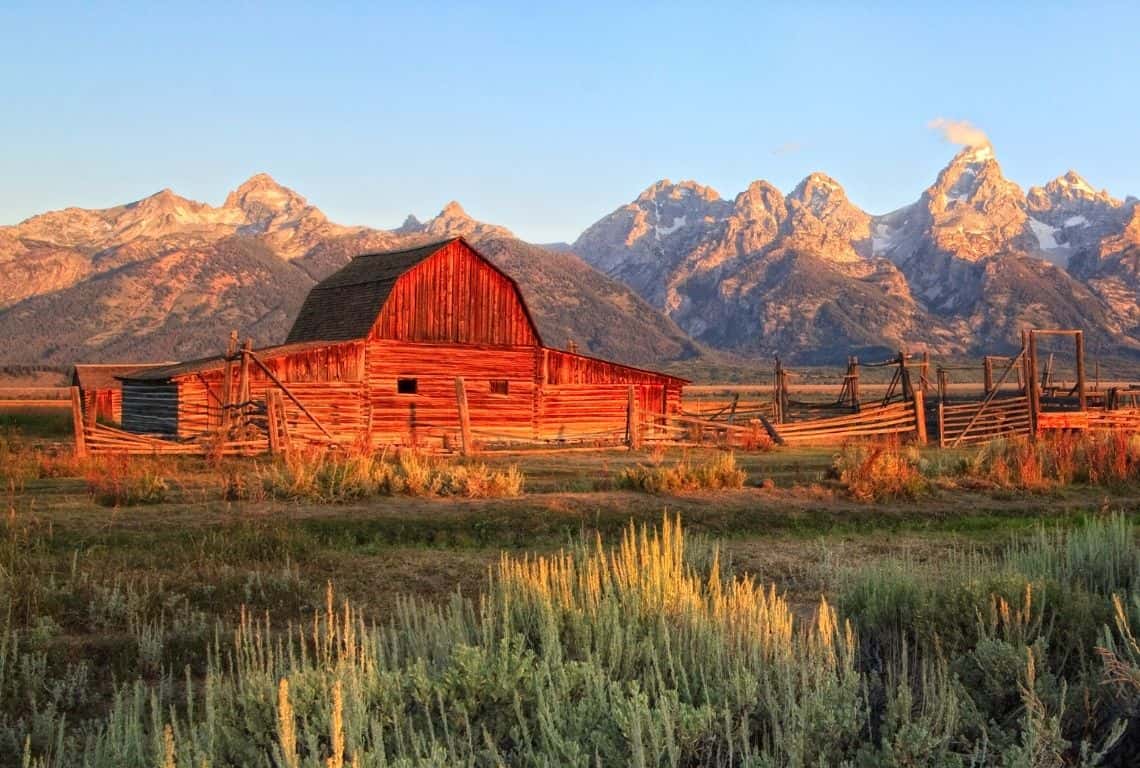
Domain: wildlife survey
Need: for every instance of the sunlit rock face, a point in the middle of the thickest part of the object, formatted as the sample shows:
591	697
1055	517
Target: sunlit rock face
963	268
168	278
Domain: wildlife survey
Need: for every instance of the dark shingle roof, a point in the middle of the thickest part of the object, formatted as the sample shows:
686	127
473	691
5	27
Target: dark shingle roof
344	305
106	375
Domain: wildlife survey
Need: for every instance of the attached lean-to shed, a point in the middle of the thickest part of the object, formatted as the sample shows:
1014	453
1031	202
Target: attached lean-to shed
375	354
101	390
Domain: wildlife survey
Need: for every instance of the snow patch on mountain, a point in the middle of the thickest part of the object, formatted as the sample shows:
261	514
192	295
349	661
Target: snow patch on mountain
678	222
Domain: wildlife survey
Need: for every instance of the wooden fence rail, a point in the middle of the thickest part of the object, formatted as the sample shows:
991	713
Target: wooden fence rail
35	397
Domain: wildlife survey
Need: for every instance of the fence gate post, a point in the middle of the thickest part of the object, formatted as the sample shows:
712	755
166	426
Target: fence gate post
1081	399
919	416
464	417
77	424
272	421
633	434
941	422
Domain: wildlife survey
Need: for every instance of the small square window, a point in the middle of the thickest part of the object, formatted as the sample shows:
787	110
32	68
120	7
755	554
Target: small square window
500	387
406	386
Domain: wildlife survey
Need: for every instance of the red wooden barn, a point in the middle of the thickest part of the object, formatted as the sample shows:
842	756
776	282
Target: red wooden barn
375	353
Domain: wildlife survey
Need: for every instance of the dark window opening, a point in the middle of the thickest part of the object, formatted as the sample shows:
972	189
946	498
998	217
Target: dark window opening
406	386
500	387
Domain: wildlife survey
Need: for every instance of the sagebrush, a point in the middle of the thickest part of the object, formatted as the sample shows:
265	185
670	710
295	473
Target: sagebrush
636	655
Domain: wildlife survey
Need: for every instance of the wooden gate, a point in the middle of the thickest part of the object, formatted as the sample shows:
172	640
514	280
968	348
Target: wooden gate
971	423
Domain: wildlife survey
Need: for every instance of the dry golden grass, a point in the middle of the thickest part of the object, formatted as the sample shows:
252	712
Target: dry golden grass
719	472
880	470
1060	459
327	476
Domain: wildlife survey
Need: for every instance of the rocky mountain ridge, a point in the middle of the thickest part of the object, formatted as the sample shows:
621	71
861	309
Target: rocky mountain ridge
810	275
807	274
167	278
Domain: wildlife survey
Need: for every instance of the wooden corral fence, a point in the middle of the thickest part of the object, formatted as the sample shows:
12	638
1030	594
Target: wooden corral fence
850	411
1018	398
994	417
904	419
35	397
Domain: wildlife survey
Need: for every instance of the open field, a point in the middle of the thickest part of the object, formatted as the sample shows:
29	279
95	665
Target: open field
98	596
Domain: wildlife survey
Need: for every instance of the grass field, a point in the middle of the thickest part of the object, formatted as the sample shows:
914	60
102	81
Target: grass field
98	597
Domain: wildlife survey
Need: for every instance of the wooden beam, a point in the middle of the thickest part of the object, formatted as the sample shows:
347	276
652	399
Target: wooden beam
281	385
286	439
1081	398
227	384
77	424
941	422
92	411
772	432
273	421
467	447
1031	383
633	428
243	381
919	417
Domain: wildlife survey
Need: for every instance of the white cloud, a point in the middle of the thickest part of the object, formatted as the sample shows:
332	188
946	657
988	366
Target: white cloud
959	132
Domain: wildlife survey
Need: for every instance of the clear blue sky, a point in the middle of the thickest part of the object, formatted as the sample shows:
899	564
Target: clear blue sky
544	120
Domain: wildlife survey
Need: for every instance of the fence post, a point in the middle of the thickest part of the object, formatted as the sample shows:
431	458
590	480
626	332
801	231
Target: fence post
272	418
633	433
904	376
941	423
77	424
243	383
228	383
286	438
1031	383
777	393
919	416
1081	399
464	417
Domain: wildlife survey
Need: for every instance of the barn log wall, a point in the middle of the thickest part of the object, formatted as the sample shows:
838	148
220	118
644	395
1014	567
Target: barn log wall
431	415
451	315
201	395
456	297
340	407
582	397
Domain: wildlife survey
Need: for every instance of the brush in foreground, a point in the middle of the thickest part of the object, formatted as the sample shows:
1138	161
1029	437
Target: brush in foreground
334	477
719	472
646	654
